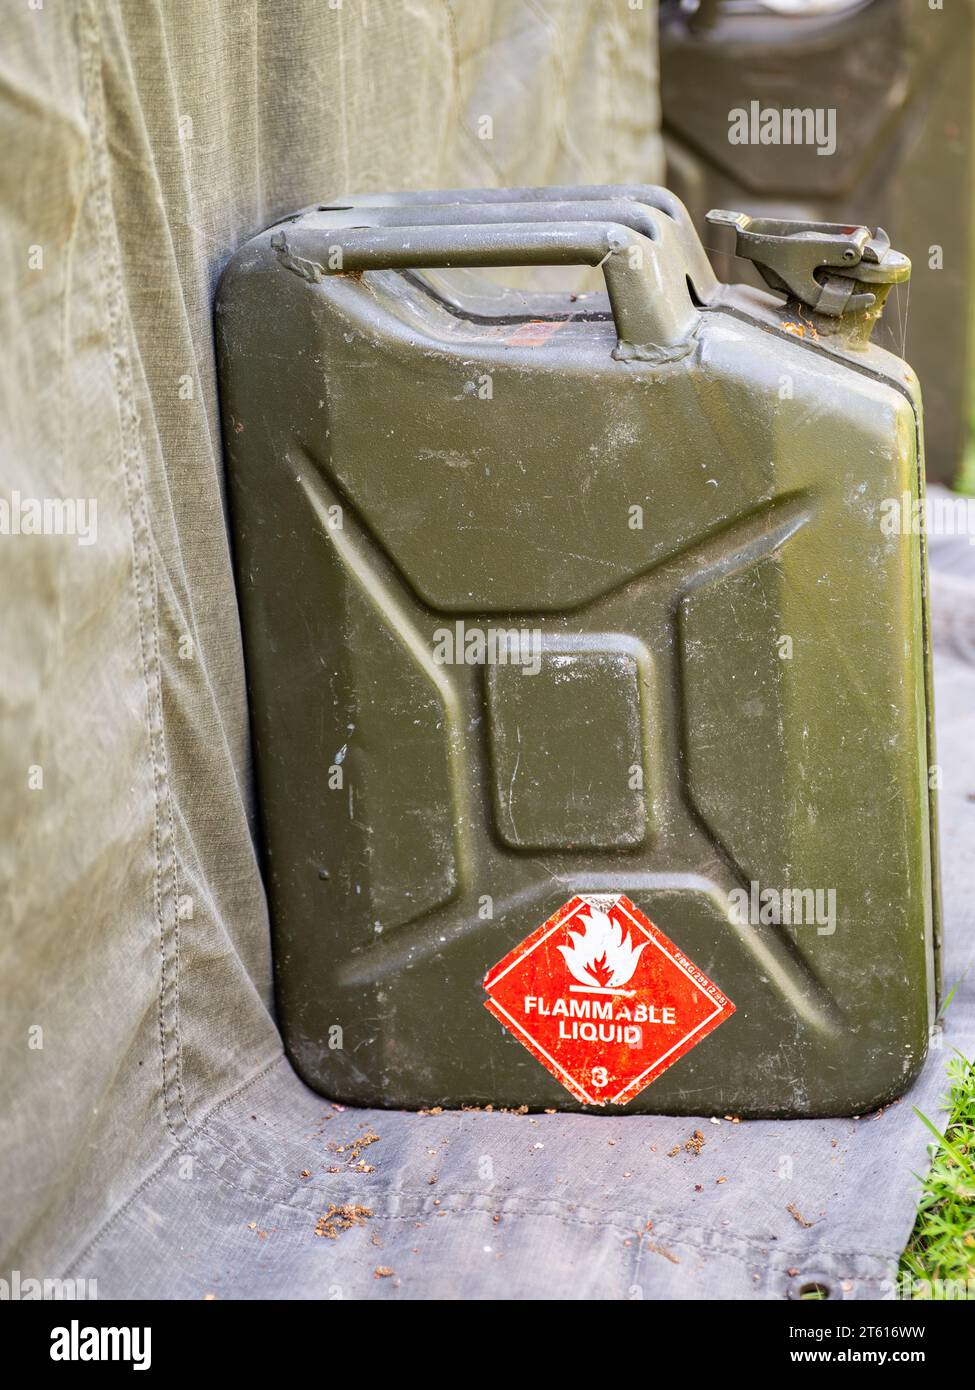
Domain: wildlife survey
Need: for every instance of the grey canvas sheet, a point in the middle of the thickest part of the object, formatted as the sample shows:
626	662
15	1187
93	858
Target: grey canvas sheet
152	1137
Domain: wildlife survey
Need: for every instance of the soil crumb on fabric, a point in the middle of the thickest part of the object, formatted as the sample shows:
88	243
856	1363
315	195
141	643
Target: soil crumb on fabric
662	1250
363	1142
341	1218
797	1215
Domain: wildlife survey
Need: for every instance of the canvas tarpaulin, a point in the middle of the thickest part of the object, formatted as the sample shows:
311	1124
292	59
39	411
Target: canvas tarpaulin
143	142
153	1137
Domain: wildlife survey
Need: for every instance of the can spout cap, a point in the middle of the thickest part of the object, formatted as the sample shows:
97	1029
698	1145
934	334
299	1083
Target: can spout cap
835	270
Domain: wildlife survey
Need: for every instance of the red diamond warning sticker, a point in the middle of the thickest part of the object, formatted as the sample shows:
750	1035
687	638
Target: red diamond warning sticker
603	999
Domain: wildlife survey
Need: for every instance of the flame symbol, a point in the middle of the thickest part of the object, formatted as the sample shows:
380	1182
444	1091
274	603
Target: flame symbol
601	956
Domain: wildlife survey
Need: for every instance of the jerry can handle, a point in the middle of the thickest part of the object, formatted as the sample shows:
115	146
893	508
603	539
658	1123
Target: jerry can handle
645	279
647	195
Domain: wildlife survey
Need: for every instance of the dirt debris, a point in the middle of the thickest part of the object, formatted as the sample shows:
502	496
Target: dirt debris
341	1218
485	1110
693	1145
797	1215
383	1272
351	1151
363	1142
662	1250
799	330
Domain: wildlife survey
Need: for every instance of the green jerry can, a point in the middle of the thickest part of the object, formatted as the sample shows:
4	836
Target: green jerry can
841	110
587	648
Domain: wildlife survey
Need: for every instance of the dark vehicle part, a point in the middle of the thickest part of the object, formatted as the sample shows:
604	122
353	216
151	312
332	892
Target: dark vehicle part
846	111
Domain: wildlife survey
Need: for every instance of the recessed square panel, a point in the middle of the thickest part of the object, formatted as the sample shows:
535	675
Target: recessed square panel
567	751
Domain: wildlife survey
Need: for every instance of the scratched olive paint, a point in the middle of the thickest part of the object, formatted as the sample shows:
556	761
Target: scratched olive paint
668	510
